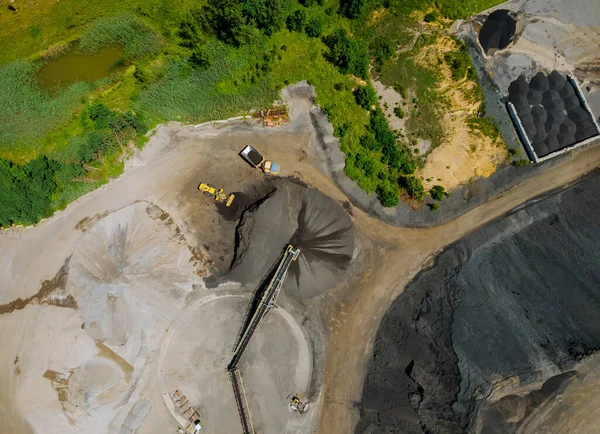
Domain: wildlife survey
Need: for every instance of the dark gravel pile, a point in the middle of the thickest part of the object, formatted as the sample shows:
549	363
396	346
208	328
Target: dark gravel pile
550	112
518	298
298	215
497	31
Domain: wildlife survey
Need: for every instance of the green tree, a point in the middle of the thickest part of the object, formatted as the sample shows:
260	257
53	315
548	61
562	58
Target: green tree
190	31
366	97
227	21
314	28
269	15
352	8
296	20
348	54
369	142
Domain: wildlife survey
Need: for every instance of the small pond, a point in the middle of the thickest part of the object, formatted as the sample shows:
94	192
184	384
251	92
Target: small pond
72	67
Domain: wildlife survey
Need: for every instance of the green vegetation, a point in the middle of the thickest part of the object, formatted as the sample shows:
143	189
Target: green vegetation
452	9
195	62
485	124
459	62
348	54
27	113
430	17
366	97
437	192
399	112
124	30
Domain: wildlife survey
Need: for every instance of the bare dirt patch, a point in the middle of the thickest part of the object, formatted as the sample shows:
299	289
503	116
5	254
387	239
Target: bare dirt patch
465	153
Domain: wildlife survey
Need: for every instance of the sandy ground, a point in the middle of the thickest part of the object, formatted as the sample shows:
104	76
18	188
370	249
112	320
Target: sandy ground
199	346
60	340
464	154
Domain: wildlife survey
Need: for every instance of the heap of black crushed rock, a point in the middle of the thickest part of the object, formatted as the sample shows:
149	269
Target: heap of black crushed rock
550	112
497	31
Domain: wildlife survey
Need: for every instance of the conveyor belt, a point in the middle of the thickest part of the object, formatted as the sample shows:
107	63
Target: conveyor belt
240	399
266	303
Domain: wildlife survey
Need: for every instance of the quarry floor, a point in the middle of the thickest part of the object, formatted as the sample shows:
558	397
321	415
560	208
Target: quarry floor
42	334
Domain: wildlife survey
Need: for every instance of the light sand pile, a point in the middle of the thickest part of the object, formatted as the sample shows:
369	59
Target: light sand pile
129	276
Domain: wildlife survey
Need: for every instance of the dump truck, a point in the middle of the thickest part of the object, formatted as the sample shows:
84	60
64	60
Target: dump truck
216	194
253	157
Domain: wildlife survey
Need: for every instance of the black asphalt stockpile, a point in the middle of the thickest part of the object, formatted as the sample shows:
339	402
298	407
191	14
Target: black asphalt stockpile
511	299
550	112
301	216
497	31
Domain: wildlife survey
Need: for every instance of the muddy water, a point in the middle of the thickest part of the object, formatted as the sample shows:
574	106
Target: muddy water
73	67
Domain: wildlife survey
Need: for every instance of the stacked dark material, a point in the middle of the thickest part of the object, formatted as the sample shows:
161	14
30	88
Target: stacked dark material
550	112
497	32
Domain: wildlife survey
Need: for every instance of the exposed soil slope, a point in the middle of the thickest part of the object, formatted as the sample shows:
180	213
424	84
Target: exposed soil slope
514	303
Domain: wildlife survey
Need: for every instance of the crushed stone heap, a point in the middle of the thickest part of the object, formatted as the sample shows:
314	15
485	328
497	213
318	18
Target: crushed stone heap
298	215
497	31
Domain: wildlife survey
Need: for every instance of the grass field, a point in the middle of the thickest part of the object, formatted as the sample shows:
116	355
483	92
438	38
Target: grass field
176	68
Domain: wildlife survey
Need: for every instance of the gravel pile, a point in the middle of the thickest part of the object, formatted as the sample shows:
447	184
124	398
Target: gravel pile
306	218
512	304
550	112
497	31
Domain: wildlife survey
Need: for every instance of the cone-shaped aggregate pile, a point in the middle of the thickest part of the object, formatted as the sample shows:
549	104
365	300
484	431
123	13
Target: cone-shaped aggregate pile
305	218
497	32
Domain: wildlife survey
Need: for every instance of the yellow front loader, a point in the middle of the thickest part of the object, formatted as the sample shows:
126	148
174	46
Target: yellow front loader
216	194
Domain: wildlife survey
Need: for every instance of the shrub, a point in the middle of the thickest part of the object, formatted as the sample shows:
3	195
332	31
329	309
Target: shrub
413	186
399	112
200	58
296	20
366	97
437	192
459	62
314	28
383	49
387	195
520	163
430	17
398	87
433	206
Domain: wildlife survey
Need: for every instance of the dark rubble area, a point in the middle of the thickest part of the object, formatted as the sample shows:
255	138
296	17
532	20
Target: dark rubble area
517	299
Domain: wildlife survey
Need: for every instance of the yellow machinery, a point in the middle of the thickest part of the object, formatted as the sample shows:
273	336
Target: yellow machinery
218	195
